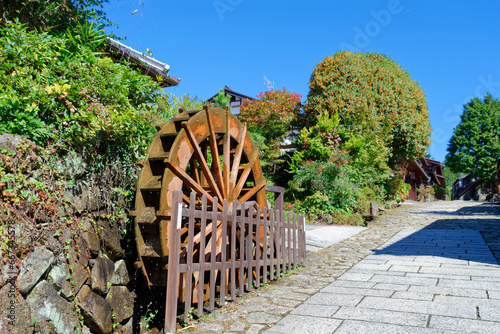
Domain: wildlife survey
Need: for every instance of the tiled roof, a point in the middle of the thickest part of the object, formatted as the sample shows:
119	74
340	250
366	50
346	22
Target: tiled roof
149	66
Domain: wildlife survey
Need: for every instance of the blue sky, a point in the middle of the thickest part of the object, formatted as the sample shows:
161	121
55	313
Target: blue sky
451	48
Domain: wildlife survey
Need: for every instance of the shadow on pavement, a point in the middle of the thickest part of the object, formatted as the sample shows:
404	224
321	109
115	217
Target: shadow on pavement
483	209
475	238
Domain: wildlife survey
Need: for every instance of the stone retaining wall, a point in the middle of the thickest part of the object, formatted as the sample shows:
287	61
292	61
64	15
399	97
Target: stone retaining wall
74	280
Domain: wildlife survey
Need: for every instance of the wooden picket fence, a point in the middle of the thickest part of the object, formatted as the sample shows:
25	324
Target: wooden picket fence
261	246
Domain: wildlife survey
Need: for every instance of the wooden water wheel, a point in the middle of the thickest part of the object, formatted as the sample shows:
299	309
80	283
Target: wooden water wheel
208	152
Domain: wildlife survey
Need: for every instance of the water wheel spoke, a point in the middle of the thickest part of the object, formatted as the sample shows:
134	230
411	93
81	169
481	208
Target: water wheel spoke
252	191
186	199
227	156
237	158
194	171
218	242
181	174
244	176
197	237
196	281
201	160
215	155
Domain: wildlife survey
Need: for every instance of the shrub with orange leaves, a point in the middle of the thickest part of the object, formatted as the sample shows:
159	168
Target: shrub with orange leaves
273	116
373	81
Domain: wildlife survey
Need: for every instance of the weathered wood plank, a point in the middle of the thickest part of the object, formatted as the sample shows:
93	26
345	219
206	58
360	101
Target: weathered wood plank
258	234
213	244
223	260
234	223
289	241
272	243
201	280
173	260
189	256
242	254
265	254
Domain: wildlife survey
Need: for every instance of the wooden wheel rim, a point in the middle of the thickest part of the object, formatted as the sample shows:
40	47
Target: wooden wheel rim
179	145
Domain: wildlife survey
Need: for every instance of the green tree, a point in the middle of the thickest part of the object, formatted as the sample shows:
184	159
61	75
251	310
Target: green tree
271	121
450	177
95	114
51	90
54	15
475	144
169	104
348	83
222	99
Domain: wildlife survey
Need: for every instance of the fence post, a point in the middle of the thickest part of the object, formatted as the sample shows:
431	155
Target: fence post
173	263
302	243
278	196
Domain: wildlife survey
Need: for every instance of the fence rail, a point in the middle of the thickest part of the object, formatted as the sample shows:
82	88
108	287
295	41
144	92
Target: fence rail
239	248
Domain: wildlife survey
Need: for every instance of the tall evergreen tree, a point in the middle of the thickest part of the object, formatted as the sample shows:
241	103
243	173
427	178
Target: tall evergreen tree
475	144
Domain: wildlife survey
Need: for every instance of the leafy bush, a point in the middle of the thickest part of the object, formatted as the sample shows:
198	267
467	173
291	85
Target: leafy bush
52	90
54	15
365	117
58	91
348	83
318	142
324	188
273	118
396	189
169	104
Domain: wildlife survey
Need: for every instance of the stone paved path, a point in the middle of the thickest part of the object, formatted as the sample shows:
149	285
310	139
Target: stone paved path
422	268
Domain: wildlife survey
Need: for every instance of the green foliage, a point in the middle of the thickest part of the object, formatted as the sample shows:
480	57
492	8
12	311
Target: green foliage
364	115
272	118
169	104
147	320
475	144
32	196
450	178
98	115
357	140
348	83
325	188
54	15
396	189
318	142
85	35
222	99
54	91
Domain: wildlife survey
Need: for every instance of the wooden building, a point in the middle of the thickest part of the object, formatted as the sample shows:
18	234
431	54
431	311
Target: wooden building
423	172
236	99
466	188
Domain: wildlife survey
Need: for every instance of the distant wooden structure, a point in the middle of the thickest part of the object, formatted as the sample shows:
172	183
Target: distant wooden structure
236	99
466	188
423	171
470	187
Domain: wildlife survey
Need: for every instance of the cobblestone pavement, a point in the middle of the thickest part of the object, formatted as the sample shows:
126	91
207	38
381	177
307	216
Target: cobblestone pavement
420	268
